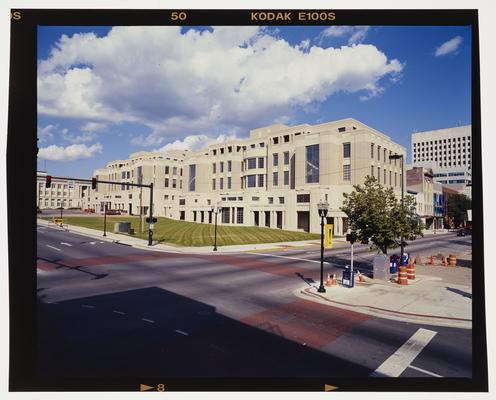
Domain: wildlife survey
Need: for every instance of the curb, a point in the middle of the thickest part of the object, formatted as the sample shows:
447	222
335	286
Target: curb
426	319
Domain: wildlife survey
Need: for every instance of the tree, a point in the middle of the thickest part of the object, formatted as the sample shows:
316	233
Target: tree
457	206
376	215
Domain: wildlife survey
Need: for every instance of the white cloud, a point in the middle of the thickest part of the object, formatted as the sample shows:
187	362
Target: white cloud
224	79
84	137
450	46
93	127
69	153
196	142
356	34
46	133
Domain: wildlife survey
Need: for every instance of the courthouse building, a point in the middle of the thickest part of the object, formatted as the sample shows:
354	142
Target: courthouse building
62	193
274	178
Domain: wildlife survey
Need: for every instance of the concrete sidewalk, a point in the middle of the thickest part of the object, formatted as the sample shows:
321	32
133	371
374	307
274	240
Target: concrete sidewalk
443	297
143	244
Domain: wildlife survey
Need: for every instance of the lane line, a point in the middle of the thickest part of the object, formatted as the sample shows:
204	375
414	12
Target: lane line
119	312
148	320
403	357
47	245
292	258
66	244
425	371
182	333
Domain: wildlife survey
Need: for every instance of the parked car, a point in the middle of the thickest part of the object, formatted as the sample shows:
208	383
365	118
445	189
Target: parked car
113	212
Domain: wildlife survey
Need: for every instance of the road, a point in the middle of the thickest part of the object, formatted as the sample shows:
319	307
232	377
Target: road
109	310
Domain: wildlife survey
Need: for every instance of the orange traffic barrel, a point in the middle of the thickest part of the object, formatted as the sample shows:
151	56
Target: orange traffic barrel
452	260
410	271
402	278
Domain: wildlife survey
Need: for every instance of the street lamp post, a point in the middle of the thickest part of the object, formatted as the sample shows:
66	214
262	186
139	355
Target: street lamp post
217	210
323	207
105	220
397	157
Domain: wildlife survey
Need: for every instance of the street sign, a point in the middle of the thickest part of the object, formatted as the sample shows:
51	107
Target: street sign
151	226
328	236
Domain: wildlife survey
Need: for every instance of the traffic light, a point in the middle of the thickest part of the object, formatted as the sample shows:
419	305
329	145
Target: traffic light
153	220
93	183
48	182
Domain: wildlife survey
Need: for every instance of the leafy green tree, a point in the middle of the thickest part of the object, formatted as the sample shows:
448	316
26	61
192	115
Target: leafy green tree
457	206
376	215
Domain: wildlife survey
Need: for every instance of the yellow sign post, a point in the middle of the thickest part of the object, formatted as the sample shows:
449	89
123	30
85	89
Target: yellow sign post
328	236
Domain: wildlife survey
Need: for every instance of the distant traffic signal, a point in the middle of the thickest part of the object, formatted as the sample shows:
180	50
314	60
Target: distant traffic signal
351	237
153	219
48	182
93	183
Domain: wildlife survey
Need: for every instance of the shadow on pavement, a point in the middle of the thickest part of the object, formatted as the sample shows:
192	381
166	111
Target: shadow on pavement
460	292
153	332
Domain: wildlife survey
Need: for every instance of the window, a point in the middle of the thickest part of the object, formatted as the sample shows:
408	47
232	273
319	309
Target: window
372	152
239	215
271	200
385	176
346	150
286	138
262	144
347	172
251	180
252	163
166	182
372	170
174	170
379	174
225	215
255	198
260	162
214	168
303	198
286	178
213	184
229	166
379	153
260	180
312	164
275	179
182	202
166	169
395	179
123	175
275	159
221	167
252	145
173	183
342	129
192	178
286	158
181	172
281	200
384	155
275	140
221	184
390	173
229	182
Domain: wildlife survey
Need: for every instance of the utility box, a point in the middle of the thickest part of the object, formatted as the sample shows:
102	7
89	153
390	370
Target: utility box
122	227
381	267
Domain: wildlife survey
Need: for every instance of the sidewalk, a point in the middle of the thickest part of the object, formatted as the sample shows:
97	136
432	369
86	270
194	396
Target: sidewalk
440	296
143	244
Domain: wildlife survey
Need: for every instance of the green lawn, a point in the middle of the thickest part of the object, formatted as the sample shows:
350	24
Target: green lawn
184	233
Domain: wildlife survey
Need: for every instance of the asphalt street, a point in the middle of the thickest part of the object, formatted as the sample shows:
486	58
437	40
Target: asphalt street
109	310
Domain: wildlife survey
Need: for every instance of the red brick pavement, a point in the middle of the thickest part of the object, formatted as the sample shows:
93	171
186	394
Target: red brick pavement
306	322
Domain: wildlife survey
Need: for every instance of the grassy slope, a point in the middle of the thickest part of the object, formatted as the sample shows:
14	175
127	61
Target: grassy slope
194	234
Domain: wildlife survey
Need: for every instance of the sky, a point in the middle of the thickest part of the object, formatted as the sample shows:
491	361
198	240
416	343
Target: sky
106	92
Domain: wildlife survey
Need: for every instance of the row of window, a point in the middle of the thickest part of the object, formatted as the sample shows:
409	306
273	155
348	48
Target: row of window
221	167
383	178
258	180
174	183
439	141
174	170
221	183
386	154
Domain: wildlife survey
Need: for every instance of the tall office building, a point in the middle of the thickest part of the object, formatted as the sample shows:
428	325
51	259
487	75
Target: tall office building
447	152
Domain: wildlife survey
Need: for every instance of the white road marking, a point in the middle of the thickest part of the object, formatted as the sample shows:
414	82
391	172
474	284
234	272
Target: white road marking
87	306
119	312
53	247
92	242
425	371
148	320
401	359
291	258
66	244
182	333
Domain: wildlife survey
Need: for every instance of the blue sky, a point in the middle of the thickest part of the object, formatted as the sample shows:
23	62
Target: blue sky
106	92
